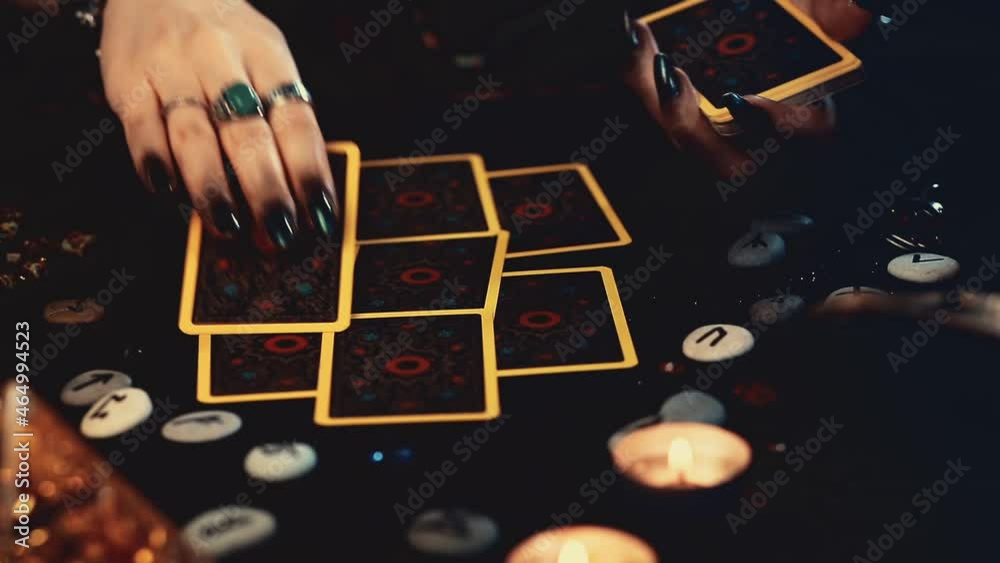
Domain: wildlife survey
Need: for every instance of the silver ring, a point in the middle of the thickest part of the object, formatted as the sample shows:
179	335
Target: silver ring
184	101
286	93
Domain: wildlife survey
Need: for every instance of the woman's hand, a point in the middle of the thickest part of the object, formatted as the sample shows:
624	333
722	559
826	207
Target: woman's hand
673	102
183	54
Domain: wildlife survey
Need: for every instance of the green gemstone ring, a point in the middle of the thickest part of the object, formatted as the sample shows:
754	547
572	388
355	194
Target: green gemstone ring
238	101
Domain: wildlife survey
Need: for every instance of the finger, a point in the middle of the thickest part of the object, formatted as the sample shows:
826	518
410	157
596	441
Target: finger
638	75
299	141
761	116
249	143
632	40
681	117
147	138
195	147
672	100
842	21
668	94
815	118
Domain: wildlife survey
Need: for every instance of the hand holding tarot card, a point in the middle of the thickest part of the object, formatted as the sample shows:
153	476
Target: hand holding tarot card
769	48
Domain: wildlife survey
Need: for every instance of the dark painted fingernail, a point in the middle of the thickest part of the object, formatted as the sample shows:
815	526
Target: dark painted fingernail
746	114
323	214
157	176
631	33
224	218
279	226
668	84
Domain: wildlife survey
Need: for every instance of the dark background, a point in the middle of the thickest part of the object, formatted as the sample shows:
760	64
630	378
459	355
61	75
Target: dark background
900	428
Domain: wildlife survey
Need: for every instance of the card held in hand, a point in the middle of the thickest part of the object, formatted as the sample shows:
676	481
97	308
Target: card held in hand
407	370
561	320
418	198
231	287
550	209
238	368
765	47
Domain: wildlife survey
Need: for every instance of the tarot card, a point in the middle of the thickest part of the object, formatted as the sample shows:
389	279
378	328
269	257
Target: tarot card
550	209
230	287
237	368
426	277
765	47
404	370
417	198
557	321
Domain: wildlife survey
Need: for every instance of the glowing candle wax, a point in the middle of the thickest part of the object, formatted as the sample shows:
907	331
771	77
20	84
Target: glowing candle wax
681	456
582	544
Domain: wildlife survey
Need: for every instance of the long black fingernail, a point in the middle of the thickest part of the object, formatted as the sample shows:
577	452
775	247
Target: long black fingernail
157	176
224	218
668	84
631	34
279	226
323	213
749	116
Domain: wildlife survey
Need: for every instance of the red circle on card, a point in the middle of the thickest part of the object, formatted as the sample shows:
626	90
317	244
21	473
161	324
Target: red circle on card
420	276
415	199
736	44
408	366
286	344
539	319
530	210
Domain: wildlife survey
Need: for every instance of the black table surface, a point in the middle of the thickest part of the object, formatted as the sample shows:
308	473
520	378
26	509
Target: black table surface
900	428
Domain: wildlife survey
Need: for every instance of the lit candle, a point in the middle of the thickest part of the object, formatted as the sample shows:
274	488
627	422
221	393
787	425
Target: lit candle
681	456
573	552
582	544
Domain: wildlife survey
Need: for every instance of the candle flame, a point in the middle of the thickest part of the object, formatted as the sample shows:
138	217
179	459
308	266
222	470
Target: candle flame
680	456
573	552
